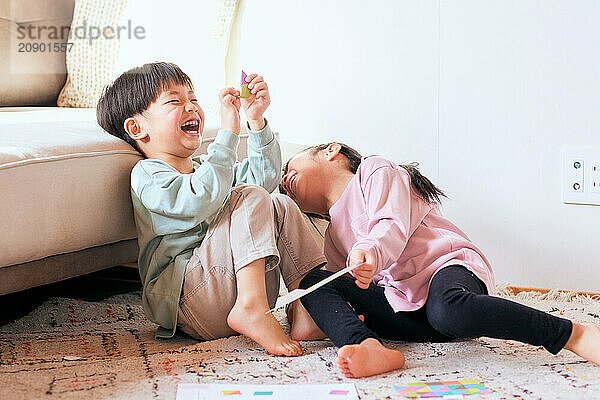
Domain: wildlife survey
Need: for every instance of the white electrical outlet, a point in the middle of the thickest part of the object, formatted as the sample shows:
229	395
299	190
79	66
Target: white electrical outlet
581	175
574	175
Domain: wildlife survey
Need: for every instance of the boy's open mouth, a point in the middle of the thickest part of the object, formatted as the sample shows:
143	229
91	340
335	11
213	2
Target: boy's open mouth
191	127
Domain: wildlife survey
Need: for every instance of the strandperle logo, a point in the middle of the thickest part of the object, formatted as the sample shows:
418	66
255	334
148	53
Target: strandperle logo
84	31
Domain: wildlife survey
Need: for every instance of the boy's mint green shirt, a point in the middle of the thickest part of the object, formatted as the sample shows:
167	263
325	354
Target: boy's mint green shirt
173	211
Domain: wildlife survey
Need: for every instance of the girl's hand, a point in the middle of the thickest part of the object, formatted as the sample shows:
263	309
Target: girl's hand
230	110
364	273
257	103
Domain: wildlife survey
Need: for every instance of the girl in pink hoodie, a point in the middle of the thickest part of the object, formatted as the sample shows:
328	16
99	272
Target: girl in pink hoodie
422	278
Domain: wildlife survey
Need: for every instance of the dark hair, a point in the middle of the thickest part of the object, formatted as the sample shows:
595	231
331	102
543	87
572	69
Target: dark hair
133	92
424	187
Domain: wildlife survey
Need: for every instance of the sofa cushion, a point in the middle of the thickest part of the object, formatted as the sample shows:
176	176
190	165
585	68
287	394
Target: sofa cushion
65	184
29	77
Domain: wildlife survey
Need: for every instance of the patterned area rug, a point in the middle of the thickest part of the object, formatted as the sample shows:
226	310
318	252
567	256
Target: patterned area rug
71	349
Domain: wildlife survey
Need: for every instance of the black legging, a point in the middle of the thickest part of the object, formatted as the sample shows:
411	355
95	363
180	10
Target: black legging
457	307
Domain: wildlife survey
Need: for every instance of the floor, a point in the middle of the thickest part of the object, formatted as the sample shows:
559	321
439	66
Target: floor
114	353
92	287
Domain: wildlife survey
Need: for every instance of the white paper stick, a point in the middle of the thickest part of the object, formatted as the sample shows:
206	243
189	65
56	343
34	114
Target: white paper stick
298	293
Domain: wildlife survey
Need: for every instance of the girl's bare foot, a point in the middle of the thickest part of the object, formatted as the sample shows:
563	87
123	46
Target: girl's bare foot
250	320
585	341
303	326
367	359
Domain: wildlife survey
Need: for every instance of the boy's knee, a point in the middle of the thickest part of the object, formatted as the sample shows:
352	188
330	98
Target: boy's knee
283	204
250	189
252	193
282	199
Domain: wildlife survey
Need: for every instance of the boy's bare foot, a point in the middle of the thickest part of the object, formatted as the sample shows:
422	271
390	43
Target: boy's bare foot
585	341
367	359
252	321
303	326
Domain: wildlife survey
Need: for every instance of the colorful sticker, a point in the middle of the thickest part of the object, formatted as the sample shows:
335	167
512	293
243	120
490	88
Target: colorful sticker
440	389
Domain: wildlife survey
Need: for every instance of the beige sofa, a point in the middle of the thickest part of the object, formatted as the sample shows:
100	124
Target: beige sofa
65	207
59	174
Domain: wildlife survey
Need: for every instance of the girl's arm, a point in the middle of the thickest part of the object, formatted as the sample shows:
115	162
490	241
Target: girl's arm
387	223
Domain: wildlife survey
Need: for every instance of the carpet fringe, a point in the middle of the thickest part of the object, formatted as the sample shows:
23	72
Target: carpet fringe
553	295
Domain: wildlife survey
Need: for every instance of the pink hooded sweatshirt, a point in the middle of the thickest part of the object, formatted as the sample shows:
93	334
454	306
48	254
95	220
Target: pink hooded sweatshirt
379	212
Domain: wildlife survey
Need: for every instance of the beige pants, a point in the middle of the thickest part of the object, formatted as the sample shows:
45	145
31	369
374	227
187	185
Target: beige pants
251	225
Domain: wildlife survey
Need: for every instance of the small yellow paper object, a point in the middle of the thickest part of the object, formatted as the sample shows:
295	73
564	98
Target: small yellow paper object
245	92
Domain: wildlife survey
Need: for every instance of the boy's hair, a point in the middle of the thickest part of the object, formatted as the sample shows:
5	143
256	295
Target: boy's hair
424	187
133	92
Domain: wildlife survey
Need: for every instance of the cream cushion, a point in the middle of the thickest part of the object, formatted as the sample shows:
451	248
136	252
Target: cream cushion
65	184
90	64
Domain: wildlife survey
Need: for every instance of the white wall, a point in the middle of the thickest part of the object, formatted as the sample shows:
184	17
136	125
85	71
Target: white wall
483	94
340	70
519	80
183	32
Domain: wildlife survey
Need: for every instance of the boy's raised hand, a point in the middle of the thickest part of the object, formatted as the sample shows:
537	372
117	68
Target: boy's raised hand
230	110
364	273
258	102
